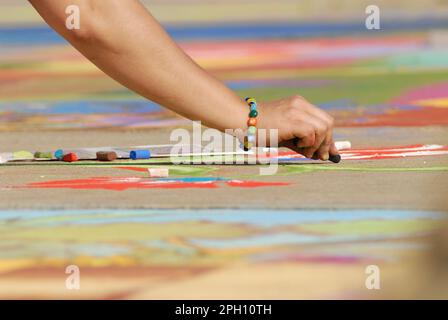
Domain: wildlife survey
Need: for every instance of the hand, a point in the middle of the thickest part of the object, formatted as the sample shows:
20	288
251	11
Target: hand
301	126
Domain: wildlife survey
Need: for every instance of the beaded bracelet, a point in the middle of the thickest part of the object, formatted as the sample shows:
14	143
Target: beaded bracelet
251	137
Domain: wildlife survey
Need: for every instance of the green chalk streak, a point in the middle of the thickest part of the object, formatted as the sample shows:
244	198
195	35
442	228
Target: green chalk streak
433	58
365	89
122	233
313	168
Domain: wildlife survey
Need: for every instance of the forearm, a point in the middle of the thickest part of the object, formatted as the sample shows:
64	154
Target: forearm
127	43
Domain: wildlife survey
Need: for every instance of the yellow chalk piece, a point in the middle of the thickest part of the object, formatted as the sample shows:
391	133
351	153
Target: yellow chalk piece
22	155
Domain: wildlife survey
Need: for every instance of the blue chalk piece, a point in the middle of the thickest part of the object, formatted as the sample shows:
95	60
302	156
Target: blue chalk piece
59	154
140	154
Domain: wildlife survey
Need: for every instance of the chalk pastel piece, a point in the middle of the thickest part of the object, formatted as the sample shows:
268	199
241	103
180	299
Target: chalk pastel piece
106	156
159	172
22	155
59	154
43	155
335	158
343	145
140	154
70	157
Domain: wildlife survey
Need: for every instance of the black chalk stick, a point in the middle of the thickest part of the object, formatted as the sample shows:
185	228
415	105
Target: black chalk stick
335	158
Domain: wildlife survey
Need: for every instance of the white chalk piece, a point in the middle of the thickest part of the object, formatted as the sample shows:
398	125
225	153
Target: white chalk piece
343	145
159	172
5	157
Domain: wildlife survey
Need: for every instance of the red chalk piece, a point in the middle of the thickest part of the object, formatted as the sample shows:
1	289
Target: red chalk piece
70	157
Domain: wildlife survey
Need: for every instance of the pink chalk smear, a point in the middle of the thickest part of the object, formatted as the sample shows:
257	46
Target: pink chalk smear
124	183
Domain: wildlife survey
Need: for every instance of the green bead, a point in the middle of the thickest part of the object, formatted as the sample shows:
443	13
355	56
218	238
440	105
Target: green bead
252	130
253	114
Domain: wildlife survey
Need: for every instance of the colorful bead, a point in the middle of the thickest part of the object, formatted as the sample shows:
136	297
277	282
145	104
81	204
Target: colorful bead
251	100
253	113
251	139
252	130
252	122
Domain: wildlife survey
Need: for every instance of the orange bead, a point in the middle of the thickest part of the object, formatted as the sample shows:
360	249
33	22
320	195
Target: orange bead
252	122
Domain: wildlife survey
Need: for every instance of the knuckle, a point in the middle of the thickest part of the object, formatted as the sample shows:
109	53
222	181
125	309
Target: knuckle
322	128
296	100
292	113
308	131
329	121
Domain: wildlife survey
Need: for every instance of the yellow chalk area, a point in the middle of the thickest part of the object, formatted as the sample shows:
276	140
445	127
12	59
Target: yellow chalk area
121	261
14	264
437	103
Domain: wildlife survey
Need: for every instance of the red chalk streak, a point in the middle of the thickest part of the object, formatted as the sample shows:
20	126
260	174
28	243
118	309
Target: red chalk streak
382	153
120	184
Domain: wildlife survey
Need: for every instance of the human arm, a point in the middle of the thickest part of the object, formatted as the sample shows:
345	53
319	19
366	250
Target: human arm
124	40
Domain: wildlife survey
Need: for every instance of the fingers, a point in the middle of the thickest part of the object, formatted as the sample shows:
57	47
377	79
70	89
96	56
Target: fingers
306	136
321	132
333	149
316	139
324	150
319	145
